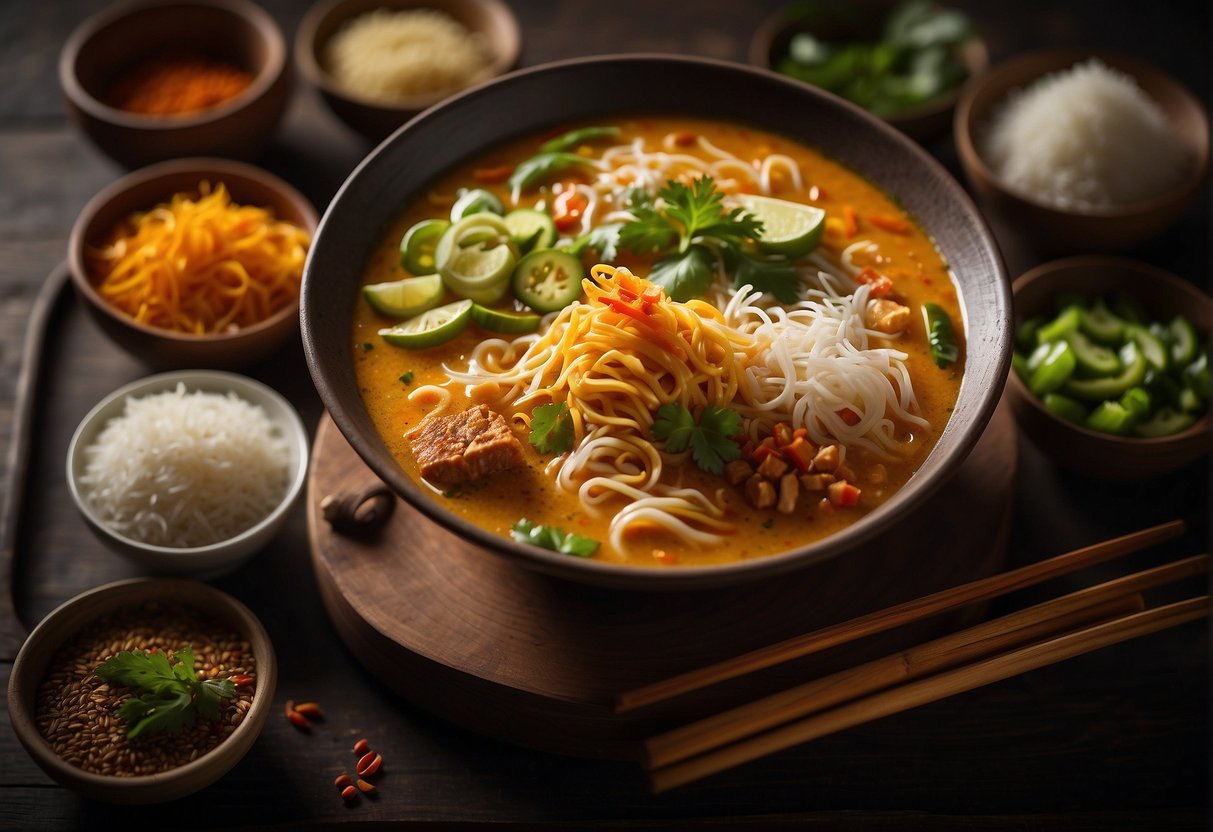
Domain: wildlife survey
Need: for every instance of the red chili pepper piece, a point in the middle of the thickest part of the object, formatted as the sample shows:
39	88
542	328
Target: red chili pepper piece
361	747
343	780
349	793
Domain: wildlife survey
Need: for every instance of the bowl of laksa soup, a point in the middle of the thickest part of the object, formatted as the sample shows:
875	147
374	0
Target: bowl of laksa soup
656	322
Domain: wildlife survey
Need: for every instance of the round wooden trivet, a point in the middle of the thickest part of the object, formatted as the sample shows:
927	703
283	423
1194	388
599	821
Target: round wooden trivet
538	661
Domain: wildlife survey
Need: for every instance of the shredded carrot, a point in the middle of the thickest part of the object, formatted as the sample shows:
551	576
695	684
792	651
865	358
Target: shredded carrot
490	176
850	221
201	264
895	224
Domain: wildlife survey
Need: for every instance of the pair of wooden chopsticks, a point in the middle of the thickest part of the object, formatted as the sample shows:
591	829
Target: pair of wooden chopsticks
1049	632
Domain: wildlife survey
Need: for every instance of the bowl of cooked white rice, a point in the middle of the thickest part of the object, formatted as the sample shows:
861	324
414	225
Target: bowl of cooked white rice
377	63
1083	151
188	473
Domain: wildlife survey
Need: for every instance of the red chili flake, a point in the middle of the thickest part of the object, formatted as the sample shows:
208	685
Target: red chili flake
242	679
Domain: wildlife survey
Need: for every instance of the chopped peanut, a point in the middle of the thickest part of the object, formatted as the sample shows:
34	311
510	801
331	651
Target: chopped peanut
738	471
827	458
760	492
842	493
772	467
789	491
816	482
886	316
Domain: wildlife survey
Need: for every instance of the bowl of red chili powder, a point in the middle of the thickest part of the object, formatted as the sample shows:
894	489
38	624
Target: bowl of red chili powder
148	81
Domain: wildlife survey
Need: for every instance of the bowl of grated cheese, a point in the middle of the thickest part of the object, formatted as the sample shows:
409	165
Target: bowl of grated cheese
188	473
194	262
377	63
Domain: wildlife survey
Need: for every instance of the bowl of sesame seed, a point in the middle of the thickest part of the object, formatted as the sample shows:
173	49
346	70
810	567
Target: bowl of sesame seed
143	691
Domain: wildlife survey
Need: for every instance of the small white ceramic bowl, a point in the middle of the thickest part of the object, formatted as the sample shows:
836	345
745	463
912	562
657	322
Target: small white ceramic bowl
71	617
217	558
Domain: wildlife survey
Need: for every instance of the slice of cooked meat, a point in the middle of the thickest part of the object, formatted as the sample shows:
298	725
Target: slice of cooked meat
461	447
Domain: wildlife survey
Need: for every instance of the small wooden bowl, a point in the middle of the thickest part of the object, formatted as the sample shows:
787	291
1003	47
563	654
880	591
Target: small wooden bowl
223	556
140	191
34	658
1100	455
1107	229
862	21
371	117
124	35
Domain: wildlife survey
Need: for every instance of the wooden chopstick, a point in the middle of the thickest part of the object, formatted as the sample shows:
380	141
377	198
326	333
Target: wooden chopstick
1107	600
932	689
983	589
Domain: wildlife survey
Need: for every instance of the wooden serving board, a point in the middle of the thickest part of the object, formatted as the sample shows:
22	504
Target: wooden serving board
537	661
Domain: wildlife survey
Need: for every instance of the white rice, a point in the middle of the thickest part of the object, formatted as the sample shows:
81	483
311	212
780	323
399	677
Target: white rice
185	469
1087	137
387	55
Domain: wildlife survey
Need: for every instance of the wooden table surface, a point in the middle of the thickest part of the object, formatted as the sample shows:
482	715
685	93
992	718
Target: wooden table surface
1116	740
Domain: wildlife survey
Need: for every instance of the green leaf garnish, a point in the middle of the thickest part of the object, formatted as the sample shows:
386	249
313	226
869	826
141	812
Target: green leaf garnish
686	275
576	137
710	440
556	539
171	695
552	428
771	274
603	239
407	378
691	213
541	165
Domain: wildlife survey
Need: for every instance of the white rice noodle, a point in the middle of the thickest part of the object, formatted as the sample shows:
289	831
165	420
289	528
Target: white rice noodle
778	161
813	361
186	469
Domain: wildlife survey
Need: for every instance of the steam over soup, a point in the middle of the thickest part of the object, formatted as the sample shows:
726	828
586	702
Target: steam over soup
658	341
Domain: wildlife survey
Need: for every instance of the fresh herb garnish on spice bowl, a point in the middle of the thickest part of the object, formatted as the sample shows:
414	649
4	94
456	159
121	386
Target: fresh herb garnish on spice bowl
173	695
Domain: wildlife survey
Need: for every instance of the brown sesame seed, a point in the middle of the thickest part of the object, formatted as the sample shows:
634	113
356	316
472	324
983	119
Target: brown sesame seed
76	712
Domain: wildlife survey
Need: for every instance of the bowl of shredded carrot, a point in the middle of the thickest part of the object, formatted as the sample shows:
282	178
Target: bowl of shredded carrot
149	80
194	262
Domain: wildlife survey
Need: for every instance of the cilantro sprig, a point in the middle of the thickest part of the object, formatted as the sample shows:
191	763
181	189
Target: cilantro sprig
710	439
552	428
556	539
692	233
171	695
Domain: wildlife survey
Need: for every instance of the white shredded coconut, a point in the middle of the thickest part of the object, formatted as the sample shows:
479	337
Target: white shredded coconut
185	469
387	55
1087	137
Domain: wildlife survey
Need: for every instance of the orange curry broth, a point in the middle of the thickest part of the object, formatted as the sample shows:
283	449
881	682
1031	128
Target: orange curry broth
909	258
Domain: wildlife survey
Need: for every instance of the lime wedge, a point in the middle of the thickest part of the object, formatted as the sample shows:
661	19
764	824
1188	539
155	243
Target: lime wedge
499	320
531	229
429	329
788	228
405	298
482	274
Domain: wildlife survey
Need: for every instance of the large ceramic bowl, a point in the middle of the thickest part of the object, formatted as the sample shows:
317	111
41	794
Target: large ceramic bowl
539	98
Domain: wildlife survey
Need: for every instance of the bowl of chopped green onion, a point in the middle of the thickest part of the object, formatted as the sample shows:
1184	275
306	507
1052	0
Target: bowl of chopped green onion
903	62
1111	366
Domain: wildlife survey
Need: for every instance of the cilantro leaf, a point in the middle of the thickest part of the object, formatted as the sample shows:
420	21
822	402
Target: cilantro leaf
649	231
773	275
171	694
556	539
699	211
710	440
685	276
535	169
603	239
552	428
674	424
